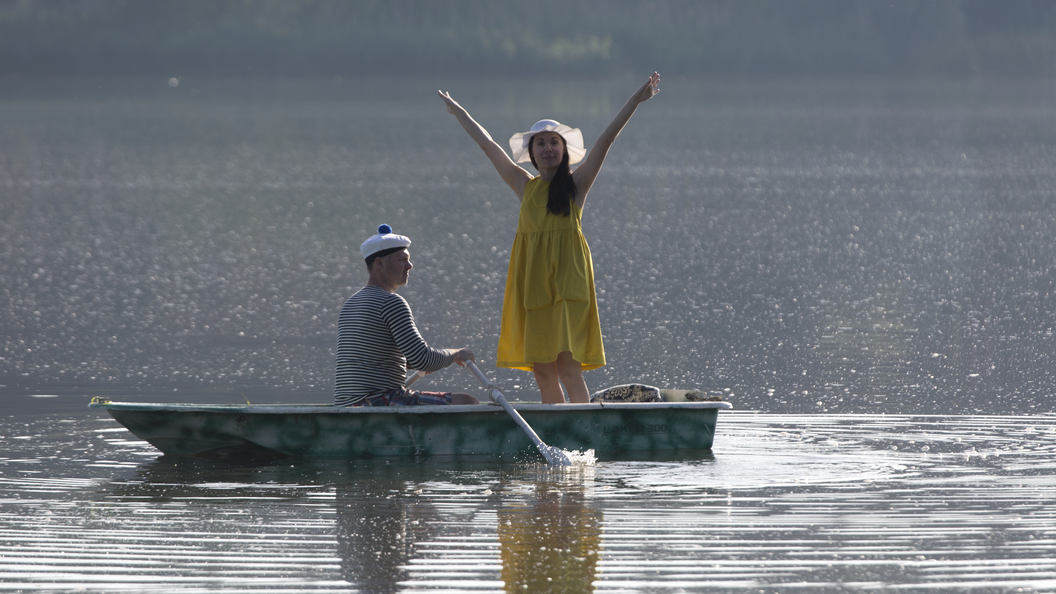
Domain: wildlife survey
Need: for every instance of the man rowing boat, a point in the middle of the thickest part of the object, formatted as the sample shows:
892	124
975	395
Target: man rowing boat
377	339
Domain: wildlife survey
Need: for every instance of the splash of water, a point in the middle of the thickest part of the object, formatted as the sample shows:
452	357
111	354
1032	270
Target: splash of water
584	458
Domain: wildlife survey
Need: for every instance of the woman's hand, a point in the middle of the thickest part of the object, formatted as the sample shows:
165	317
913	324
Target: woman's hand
650	88
452	105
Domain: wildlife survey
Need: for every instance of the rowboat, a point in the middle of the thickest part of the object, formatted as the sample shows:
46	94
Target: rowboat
317	430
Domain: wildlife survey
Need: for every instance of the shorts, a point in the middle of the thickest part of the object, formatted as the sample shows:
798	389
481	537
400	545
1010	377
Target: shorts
405	397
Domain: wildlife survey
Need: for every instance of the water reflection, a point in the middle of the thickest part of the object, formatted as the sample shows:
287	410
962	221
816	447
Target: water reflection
167	479
374	525
552	541
379	525
813	503
399	525
382	513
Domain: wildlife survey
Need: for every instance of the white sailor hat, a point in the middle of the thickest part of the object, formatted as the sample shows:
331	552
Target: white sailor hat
384	240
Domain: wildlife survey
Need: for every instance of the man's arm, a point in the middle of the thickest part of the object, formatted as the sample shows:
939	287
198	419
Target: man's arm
462	355
397	315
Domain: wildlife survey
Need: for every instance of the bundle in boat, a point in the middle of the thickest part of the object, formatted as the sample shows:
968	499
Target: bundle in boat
646	393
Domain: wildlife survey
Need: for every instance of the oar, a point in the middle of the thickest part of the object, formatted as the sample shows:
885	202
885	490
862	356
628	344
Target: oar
553	455
413	377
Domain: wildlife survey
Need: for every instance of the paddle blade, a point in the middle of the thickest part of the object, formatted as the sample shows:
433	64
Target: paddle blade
555	456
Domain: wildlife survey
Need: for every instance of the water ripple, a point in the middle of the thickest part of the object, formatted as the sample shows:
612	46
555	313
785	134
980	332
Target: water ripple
812	503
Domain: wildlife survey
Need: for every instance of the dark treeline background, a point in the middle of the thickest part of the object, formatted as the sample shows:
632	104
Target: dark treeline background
702	37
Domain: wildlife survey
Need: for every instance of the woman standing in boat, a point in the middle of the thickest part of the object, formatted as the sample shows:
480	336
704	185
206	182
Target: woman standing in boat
550	321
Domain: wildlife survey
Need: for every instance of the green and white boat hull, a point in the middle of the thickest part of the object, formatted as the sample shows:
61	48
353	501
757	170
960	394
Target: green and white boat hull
610	429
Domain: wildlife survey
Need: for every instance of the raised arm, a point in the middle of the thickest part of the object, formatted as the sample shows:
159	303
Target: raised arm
511	173
587	172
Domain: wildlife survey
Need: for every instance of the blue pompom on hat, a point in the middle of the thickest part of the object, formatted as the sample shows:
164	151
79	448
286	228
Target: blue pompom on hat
384	240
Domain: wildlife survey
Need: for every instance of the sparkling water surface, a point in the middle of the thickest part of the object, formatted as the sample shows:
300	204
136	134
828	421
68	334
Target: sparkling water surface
866	264
808	246
811	503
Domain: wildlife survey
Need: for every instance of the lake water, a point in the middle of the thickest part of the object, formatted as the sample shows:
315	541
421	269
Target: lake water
814	503
866	265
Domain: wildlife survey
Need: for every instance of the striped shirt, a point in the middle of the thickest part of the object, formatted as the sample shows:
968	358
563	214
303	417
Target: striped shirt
376	342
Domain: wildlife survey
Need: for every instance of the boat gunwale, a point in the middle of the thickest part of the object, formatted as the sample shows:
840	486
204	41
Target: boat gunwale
329	409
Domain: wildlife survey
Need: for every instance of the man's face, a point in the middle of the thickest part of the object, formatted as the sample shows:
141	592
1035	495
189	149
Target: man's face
395	268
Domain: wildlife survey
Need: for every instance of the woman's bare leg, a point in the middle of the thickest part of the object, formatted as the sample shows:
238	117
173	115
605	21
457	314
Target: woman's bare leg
571	373
549	382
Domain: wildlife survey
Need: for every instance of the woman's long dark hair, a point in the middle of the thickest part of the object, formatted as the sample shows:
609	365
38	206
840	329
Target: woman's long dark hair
562	187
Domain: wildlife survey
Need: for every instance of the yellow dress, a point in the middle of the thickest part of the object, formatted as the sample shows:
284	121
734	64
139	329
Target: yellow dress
550	305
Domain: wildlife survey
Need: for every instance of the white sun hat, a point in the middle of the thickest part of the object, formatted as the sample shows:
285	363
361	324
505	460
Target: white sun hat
573	141
384	240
